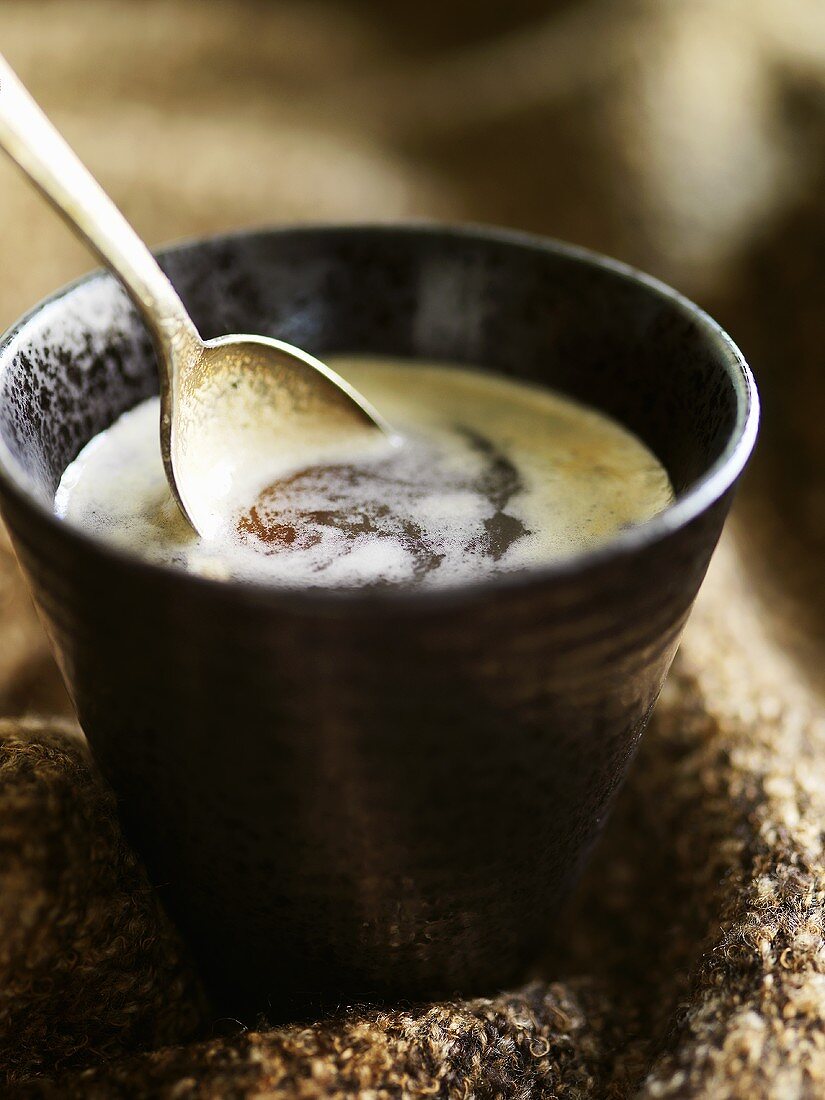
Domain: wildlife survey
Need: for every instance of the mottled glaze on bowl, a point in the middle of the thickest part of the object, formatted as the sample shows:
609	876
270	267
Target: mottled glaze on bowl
370	794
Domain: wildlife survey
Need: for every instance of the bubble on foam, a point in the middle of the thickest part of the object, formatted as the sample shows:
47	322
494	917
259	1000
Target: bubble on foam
487	475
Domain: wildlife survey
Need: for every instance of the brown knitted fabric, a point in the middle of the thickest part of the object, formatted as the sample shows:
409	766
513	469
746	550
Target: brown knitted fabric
89	966
691	962
533	1043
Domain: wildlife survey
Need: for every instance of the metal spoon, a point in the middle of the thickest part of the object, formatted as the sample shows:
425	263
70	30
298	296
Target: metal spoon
218	397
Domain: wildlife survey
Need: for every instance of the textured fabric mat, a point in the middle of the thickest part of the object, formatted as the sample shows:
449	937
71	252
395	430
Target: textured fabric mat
682	137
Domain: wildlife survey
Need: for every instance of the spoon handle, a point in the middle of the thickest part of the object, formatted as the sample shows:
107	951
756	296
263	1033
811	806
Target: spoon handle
35	145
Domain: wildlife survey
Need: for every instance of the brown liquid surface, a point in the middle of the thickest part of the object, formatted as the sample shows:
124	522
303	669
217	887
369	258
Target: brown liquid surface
362	501
489	476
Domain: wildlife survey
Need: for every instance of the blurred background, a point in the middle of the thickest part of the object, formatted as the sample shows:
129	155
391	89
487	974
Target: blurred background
686	137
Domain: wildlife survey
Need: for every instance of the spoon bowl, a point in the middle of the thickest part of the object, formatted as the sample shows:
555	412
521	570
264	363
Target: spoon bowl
239	407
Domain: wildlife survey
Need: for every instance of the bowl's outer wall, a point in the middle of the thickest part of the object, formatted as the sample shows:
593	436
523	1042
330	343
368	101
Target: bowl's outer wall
377	797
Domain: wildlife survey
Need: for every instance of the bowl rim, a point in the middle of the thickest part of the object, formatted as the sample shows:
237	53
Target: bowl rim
702	495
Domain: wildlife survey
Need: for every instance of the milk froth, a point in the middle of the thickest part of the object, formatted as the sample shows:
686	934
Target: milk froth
485	475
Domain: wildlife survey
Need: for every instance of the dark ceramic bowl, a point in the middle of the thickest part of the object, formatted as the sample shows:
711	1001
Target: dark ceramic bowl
349	794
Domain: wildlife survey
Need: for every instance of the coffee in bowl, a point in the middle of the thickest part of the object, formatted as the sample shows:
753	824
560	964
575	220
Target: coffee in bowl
484	475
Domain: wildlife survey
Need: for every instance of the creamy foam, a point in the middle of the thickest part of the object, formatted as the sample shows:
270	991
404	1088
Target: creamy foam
486	475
